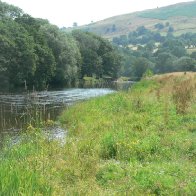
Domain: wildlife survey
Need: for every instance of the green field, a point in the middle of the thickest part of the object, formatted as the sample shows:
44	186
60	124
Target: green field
140	142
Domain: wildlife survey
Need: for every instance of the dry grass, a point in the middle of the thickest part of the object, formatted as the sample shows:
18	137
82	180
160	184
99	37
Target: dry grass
174	74
181	86
182	95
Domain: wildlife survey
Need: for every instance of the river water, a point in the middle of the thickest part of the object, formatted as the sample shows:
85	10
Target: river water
17	111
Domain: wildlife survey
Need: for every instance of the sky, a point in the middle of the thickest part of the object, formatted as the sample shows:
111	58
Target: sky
64	13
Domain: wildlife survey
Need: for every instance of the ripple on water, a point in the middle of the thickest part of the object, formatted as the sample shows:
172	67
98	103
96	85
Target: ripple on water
19	110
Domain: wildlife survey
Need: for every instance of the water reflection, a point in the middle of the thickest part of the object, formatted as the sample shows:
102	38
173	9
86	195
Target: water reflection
19	110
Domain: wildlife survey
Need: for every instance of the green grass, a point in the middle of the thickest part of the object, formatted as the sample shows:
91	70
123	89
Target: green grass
131	143
188	9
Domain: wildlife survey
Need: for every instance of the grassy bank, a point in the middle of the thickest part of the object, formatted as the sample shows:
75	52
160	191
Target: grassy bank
140	142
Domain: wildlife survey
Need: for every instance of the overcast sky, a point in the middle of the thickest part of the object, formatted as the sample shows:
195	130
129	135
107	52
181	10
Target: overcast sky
65	12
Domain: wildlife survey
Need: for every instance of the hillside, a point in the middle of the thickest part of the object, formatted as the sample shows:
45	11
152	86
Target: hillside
182	17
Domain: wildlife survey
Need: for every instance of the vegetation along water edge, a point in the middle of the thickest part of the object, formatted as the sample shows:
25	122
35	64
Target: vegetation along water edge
140	142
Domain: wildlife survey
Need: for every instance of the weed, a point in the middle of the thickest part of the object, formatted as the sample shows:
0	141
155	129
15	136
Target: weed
108	147
182	95
166	111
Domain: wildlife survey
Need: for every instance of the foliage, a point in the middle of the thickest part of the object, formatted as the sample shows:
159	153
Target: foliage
193	55
164	53
148	73
185	64
99	57
17	53
159	26
140	66
9	11
37	54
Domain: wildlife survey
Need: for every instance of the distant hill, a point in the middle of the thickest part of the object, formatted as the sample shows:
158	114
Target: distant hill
164	13
181	17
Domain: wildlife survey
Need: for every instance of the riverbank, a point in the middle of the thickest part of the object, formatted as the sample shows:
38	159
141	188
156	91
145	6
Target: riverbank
138	142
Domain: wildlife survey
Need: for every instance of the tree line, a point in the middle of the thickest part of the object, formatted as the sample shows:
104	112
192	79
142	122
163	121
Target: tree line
144	50
37	54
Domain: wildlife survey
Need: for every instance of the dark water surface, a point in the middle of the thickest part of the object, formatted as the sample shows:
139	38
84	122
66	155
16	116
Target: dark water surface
17	111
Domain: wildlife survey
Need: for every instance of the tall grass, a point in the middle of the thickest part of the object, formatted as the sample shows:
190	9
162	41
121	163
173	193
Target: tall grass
127	143
183	93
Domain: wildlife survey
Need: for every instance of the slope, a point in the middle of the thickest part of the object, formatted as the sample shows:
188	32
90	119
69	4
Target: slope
181	17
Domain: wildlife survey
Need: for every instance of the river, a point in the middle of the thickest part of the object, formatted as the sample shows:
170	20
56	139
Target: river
17	111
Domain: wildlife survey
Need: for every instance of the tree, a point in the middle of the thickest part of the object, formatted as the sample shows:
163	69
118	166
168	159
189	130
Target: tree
113	28
170	29
164	62
39	54
193	55
185	64
112	63
88	45
141	30
17	56
124	40
6	47
174	46
99	57
75	24
33	26
140	66
167	24
150	46
159	26
45	67
9	11
66	54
